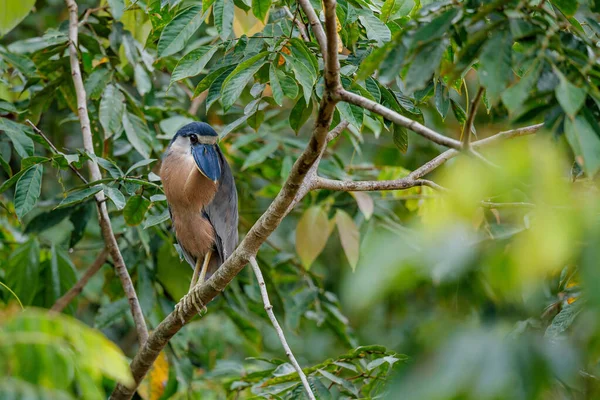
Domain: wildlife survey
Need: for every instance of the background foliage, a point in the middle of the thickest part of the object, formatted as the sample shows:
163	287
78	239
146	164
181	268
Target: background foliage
488	291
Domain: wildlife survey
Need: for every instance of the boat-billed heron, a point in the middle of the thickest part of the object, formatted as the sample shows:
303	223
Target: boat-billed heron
202	198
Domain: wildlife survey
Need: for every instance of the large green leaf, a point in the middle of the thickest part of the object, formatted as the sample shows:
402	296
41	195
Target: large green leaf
514	97
214	92
376	30
28	190
239	78
260	8
115	195
12	12
585	143
495	64
177	32
305	76
16	133
23	272
426	61
112	107
137	133
300	114
569	96
79	196
275	85
260	155
193	63
60	275
135	210
223	11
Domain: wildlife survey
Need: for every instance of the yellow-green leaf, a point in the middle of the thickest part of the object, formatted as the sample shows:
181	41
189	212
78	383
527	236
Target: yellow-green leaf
349	236
312	233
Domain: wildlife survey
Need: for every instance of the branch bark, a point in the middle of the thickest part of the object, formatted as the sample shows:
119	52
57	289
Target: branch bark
266	224
466	133
317	28
271	314
396	118
61	303
103	217
298	23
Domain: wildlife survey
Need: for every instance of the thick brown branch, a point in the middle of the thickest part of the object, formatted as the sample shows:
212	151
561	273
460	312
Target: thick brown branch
88	144
78	287
399	119
266	224
332	70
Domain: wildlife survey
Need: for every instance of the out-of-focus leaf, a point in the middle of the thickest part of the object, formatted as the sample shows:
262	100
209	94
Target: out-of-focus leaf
400	136
300	114
364	202
112	107
567	7
376	30
28	190
142	79
193	63
109	313
442	100
177	32
79	218
514	97
154	384
349	236
47	220
495	64
260	8
569	96
23	272
224	12
312	233
79	196
13	13
424	64
564	319
137	133
245	326
116	7
260	155
585	143
135	210
239	78
16	133
60	275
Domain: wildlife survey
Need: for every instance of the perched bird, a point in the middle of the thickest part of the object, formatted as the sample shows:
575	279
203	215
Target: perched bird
202	198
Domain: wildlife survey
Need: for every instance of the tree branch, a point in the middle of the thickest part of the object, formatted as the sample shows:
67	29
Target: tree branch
103	218
61	303
271	314
396	118
466	133
298	22
249	246
313	19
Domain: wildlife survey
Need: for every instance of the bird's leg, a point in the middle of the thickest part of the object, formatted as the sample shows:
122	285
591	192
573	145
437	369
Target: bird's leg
195	274
204	267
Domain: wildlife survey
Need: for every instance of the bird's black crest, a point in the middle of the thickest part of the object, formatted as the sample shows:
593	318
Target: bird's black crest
199	128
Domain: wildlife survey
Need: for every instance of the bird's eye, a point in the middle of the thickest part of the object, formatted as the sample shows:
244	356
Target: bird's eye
193	139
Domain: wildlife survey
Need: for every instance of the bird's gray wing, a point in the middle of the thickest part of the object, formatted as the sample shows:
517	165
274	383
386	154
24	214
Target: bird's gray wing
222	212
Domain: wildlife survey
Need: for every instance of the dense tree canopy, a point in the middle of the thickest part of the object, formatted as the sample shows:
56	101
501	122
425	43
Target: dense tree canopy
416	180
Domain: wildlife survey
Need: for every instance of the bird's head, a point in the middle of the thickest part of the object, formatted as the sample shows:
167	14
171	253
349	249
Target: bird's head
199	140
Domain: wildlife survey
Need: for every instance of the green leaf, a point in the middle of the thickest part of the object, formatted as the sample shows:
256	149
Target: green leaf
116	7
245	326
110	313
437	28
47	220
303	74
275	85
9	183
79	218
28	190
214	92
17	134
495	64
137	133
135	210
140	164
115	195
177	32
570	97
60	275
239	78
12	12
514	97
112	108
372	62
376	30
260	155
193	63
400	136
95	84
208	80
349	236
223	11
142	79
442	100
260	8
79	196
157	219
288	85
585	143
300	114
567	7
23	272
312	233
426	61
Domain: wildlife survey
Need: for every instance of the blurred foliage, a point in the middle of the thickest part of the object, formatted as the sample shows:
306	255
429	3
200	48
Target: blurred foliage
489	291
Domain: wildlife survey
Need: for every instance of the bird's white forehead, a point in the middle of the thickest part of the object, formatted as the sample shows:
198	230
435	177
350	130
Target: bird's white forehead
181	145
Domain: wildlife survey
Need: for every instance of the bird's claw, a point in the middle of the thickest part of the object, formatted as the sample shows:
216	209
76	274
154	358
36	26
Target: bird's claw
187	302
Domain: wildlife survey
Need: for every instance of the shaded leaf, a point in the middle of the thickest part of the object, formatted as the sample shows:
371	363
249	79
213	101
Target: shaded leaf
79	196
239	78
16	133
312	233
585	143
112	107
135	210
28	190
349	236
495	64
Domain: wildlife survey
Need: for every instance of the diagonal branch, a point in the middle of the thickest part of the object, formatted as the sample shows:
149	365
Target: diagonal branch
271	314
61	303
298	22
398	119
466	133
313	19
103	218
249	246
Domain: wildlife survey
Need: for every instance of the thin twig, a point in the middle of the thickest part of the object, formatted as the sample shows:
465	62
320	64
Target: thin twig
298	22
271	314
466	133
95	174
62	302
